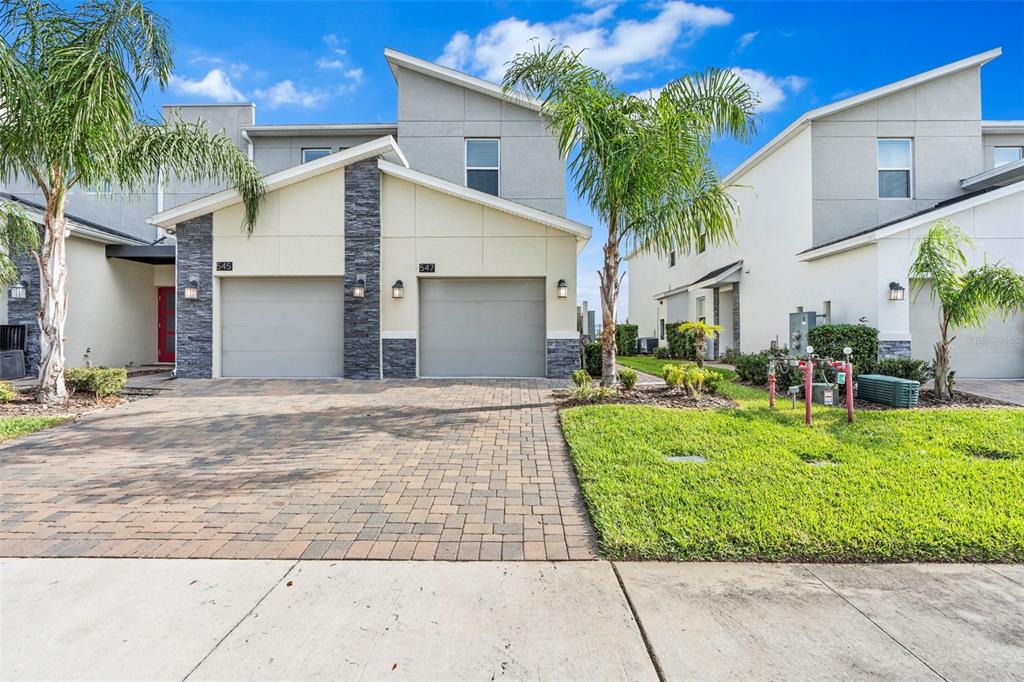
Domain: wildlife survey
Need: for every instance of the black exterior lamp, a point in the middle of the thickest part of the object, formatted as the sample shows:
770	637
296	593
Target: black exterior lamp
18	291
192	290
563	289
359	288
896	291
398	289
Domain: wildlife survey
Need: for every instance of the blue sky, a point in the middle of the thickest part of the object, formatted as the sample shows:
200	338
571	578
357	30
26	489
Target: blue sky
307	62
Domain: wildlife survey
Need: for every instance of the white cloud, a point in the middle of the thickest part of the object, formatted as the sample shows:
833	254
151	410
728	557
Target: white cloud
743	42
285	93
611	45
770	90
326	63
215	85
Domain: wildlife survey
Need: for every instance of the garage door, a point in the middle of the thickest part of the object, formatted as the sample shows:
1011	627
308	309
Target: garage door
482	328
281	327
996	351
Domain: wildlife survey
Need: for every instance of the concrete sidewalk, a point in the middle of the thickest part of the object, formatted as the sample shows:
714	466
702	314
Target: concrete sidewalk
224	619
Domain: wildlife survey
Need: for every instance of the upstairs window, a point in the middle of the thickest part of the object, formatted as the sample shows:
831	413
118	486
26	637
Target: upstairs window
701	303
314	154
482	165
1004	155
895	161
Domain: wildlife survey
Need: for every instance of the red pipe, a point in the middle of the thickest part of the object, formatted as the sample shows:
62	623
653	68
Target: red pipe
771	389
849	392
808	367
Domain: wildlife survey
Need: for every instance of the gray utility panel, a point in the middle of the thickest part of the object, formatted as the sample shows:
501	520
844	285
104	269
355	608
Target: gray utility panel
482	328
281	327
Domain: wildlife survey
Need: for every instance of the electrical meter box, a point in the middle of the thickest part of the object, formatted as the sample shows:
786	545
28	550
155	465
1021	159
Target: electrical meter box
800	325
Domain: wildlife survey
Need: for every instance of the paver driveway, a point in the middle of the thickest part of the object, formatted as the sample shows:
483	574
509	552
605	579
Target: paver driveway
473	469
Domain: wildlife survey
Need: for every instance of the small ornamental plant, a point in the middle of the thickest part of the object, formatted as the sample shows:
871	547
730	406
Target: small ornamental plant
628	378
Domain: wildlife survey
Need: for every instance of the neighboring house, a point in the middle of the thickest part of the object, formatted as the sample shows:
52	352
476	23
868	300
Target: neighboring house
828	215
434	246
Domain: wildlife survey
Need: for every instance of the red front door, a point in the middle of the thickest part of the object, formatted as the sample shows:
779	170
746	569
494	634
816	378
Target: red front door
165	324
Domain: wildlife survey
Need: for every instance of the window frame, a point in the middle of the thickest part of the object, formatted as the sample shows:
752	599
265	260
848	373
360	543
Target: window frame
672	259
1020	154
661	329
701	303
879	168
467	167
315	149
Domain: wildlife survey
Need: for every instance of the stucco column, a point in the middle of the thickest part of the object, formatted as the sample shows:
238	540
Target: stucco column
715	304
893	316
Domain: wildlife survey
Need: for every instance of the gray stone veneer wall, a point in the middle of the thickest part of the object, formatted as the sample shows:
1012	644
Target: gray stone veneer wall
362	258
194	319
736	316
563	358
893	349
716	320
399	358
26	310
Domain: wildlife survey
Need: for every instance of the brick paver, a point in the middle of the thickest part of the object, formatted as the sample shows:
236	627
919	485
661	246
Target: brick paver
287	469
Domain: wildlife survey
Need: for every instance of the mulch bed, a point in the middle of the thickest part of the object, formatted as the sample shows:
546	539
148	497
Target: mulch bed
927	400
25	405
657	395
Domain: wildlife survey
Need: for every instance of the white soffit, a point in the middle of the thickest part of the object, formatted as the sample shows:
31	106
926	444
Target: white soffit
856	100
385	147
578	230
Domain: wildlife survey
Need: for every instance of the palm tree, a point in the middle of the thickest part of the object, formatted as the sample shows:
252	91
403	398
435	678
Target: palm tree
641	162
70	116
701	331
18	234
966	297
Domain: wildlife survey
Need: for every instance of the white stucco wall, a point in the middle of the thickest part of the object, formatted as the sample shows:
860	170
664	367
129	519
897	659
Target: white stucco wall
466	239
111	308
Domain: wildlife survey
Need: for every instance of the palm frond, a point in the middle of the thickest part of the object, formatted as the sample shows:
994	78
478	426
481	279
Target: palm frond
991	289
940	260
717	101
18	234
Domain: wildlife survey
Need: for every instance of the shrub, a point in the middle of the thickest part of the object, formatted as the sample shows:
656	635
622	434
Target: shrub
581	377
662	353
693	380
712	380
830	339
625	338
7	392
673	375
592	358
680	344
730	355
628	378
753	368
102	381
588	393
905	368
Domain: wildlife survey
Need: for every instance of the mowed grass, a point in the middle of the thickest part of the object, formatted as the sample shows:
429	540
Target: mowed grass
12	427
921	485
648	364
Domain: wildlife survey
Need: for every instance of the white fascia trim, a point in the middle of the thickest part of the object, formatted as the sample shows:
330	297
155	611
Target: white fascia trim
82	231
396	58
881	233
983	177
398	335
720	277
328	128
383	146
579	230
670	292
856	100
1002	127
564	335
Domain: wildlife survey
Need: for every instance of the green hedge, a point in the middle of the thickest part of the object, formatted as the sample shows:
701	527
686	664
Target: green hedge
830	339
625	338
103	381
753	367
905	368
680	344
592	358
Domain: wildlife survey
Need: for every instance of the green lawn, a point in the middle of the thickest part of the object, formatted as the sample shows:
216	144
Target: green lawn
941	485
12	427
649	364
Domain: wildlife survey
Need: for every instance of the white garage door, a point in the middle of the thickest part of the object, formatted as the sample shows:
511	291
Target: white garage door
996	351
278	327
482	328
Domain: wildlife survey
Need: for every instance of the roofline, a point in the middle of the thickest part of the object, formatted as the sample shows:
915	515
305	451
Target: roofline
396	58
869	238
981	179
382	146
79	226
834	108
702	283
285	129
579	230
1015	127
209	104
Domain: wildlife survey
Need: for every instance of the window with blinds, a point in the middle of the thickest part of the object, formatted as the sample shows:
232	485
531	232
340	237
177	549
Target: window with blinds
483	165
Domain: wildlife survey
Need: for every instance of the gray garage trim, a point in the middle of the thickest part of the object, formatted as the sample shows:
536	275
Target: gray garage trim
282	327
482	327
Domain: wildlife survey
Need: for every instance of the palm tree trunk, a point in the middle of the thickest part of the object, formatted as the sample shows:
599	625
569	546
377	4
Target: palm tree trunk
942	391
701	345
53	302
609	301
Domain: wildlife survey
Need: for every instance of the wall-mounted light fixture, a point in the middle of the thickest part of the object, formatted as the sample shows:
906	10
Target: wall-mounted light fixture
359	288
18	291
192	290
398	289
896	291
563	289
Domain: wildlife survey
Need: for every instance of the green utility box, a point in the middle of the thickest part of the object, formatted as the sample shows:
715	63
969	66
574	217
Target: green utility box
888	390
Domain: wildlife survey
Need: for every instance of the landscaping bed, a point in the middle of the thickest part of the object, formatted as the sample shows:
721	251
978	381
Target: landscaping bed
658	395
896	485
25	405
